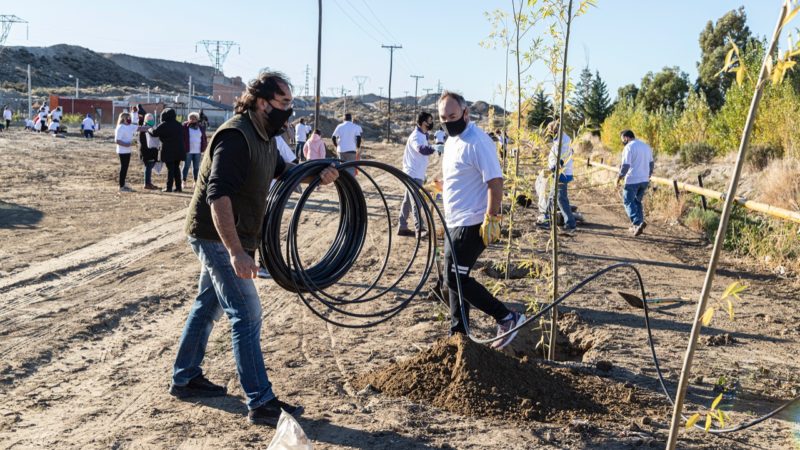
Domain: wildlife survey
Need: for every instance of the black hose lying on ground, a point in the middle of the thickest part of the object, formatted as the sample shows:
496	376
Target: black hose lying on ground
311	283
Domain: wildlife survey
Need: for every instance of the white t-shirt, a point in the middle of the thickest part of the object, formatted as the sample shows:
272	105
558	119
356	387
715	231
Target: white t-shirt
566	155
7	114
124	133
346	133
87	124
43	115
28	123
53	126
468	163
301	131
195	138
415	163
439	136
638	155
56	115
283	148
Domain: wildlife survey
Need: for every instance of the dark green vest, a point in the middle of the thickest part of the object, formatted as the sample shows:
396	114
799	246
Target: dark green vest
250	202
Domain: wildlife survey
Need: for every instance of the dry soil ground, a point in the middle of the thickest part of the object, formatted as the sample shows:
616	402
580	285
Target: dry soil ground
95	287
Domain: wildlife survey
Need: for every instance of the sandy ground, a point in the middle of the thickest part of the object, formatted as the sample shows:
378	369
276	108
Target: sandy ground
95	287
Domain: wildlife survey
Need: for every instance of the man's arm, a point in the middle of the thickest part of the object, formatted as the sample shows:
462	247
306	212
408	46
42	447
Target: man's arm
222	215
495	197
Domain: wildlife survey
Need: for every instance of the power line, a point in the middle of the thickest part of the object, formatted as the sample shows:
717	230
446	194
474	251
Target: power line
218	52
391	48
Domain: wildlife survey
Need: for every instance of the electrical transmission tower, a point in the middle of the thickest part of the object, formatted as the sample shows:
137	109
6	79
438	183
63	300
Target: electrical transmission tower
360	81
6	21
308	74
218	52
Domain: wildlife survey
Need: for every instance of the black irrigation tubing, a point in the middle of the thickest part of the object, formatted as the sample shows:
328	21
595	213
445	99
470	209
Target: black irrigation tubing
310	283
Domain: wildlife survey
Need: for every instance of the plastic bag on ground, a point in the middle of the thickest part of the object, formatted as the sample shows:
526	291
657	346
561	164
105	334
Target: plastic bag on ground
289	435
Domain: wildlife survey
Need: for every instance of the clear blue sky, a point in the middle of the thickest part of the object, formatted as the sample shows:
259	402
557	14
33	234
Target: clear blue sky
623	39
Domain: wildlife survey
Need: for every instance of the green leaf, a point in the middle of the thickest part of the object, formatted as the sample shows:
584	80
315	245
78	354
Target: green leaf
692	420
716	402
708	422
707	316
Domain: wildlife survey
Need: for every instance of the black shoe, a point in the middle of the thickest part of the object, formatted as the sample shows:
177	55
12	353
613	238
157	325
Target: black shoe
405	232
166	190
639	229
268	413
199	386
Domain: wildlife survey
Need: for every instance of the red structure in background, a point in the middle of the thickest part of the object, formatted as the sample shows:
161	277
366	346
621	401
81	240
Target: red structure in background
103	111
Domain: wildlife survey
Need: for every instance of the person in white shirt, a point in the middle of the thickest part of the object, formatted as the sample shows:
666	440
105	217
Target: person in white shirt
88	126
42	123
347	139
7	116
561	160
57	114
440	136
301	131
123	137
29	125
472	190
54	127
194	143
636	169
415	163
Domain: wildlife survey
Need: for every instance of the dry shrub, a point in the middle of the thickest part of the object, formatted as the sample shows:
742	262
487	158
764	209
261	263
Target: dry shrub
779	184
759	156
664	206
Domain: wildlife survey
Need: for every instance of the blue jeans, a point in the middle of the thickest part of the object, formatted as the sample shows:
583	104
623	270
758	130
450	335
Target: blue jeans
632	195
194	160
563	204
148	172
298	150
221	290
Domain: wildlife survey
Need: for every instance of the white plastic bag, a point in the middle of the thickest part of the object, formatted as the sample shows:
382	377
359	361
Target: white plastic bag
289	435
158	167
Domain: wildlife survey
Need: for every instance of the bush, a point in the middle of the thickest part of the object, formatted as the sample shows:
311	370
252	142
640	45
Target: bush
759	156
703	221
696	152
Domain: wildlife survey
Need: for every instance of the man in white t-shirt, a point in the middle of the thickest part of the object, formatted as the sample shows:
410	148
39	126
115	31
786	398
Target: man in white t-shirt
56	115
472	190
301	131
88	126
7	116
42	123
347	139
415	163
636	169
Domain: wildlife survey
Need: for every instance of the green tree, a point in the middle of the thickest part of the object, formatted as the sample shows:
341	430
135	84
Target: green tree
541	113
598	104
665	89
580	97
627	93
714	45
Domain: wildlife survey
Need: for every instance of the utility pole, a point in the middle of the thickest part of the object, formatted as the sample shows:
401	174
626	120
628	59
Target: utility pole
189	100
6	21
427	91
344	94
391	48
360	81
218	52
416	98
30	99
317	81
439	86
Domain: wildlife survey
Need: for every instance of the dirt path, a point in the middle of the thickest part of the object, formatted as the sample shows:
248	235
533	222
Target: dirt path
87	339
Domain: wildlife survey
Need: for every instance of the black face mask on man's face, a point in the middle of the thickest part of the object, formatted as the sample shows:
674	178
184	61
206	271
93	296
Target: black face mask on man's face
456	127
276	119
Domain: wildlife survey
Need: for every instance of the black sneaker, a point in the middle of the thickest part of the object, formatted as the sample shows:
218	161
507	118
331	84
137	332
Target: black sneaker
268	413
199	386
639	229
406	232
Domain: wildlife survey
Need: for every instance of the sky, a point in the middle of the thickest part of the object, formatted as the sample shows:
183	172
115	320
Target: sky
622	39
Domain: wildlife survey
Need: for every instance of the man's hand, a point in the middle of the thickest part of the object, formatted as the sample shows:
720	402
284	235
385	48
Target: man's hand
490	229
243	265
329	175
619	181
434	187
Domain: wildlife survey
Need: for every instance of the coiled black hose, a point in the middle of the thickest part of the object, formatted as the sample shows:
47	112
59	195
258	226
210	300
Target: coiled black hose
311	283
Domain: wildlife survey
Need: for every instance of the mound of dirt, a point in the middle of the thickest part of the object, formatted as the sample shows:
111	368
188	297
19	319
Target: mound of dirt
471	379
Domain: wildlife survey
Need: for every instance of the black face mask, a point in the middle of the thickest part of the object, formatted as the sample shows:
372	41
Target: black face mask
456	127
276	119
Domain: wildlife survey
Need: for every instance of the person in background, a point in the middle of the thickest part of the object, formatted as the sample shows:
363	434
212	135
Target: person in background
141	113
203	120
315	147
123	137
415	164
57	114
29	125
301	131
194	142
440	136
7	116
54	127
561	160
636	168
42	123
148	151
88	126
347	139
472	190
173	149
